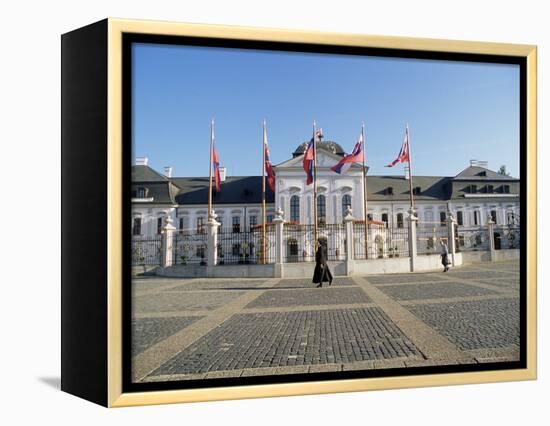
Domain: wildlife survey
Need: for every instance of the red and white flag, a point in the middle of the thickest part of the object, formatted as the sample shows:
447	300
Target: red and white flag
356	156
216	166
309	155
270	173
404	155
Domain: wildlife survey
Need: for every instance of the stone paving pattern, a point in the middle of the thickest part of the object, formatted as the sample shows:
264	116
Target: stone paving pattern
314	296
402	278
148	331
217	285
474	325
433	291
306	283
293	338
198	329
183	301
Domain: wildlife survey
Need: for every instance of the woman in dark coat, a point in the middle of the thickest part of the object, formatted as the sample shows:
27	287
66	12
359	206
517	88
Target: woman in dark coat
444	256
322	271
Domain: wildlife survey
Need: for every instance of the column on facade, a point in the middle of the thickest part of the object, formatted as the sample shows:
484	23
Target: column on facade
412	219
167	242
212	243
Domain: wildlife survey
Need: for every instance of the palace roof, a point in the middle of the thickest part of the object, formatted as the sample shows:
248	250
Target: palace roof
472	182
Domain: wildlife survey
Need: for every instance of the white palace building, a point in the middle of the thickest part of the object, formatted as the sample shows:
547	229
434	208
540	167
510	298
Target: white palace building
472	198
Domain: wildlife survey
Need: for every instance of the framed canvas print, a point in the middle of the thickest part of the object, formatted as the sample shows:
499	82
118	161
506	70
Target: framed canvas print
255	212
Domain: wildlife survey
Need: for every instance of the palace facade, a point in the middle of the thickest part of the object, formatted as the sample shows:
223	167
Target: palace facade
473	195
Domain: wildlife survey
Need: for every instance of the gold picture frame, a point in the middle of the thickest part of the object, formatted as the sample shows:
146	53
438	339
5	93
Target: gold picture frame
114	30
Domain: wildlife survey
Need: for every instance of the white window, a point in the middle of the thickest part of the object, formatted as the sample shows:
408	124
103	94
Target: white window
136	226
295	209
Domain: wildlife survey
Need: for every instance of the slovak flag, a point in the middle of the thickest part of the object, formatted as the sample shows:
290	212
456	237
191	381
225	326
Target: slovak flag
216	167
356	156
404	153
309	156
269	169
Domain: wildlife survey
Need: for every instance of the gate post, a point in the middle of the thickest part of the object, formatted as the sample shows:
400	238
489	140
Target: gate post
413	219
279	223
491	235
451	233
212	243
167	243
348	220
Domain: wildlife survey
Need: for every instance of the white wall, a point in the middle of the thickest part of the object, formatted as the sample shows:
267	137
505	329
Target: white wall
31	132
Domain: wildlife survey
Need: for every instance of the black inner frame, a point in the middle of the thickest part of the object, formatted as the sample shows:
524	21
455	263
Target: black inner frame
129	38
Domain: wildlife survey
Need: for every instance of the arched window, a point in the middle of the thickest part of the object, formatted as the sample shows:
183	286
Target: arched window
136	227
295	208
292	250
141	192
159	225
400	220
346	203
321	209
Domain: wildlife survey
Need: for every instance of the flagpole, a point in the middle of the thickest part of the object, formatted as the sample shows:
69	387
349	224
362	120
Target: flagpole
411	198
263	195
314	190
365	217
210	169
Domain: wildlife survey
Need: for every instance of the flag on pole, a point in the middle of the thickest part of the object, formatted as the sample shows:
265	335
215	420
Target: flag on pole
404	154
216	167
270	173
356	156
308	156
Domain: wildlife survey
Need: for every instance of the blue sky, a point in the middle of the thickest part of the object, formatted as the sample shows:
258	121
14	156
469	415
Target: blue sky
456	111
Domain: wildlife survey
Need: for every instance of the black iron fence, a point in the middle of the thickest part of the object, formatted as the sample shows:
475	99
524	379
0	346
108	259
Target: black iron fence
146	250
382	241
333	239
269	256
245	247
298	243
429	235
507	237
471	238
190	247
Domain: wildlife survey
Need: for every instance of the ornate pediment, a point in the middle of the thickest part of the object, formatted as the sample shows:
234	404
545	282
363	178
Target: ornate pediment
324	159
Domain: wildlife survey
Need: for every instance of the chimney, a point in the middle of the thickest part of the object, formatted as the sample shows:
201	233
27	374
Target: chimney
142	161
223	173
479	163
168	171
407	174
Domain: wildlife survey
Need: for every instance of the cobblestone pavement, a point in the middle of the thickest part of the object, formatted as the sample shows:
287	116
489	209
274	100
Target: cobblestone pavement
199	329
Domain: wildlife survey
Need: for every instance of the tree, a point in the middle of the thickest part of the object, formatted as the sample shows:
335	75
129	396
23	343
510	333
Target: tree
502	171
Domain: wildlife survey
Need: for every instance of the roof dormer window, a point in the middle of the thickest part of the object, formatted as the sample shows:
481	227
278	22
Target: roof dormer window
389	190
141	193
417	190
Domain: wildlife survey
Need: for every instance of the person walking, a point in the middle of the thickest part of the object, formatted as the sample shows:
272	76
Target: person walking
444	256
322	272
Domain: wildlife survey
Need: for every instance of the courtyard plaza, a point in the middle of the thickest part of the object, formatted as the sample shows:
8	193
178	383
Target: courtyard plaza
187	329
